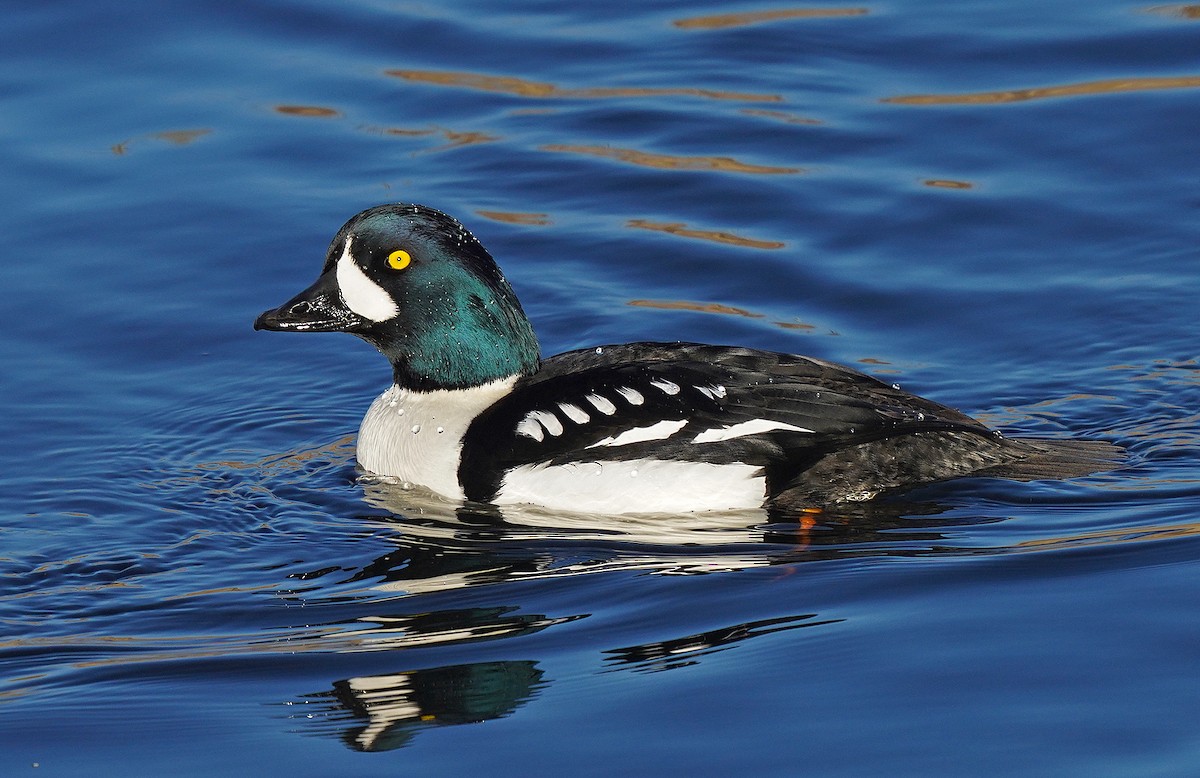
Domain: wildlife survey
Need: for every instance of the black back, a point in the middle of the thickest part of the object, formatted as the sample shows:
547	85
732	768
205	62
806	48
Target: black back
709	388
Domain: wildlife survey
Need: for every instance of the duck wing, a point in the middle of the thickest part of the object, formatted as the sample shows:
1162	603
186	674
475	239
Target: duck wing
782	413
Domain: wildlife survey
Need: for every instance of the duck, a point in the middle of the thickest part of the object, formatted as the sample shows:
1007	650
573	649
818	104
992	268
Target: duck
476	415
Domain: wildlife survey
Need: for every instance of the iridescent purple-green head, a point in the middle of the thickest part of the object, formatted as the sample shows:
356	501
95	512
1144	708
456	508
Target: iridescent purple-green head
418	286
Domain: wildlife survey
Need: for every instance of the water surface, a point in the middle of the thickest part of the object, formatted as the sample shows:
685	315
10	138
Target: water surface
991	204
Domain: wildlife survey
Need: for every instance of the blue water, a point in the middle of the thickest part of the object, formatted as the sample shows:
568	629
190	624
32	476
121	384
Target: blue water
993	204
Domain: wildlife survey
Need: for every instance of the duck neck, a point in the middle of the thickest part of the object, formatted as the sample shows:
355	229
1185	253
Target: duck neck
420	378
483	344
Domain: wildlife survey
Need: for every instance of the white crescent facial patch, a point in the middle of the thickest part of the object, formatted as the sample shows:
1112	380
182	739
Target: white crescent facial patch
360	294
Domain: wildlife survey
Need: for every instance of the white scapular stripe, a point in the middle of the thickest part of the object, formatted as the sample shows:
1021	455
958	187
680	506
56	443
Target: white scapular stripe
659	431
632	396
360	294
547	419
752	427
667	387
574	413
531	429
637	486
602	404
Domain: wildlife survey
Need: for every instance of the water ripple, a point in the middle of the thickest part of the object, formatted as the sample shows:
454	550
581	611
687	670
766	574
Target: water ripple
746	18
525	88
672	161
1108	86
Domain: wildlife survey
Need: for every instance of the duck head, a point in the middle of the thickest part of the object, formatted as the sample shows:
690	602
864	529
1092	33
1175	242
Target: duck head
418	286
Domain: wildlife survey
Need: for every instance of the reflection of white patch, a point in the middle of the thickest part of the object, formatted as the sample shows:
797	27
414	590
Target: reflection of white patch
752	427
387	700
361	294
638	486
659	431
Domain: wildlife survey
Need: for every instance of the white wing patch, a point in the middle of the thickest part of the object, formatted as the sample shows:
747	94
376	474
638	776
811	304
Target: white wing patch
752	427
531	429
535	421
362	295
574	413
712	392
602	404
665	386
659	431
632	396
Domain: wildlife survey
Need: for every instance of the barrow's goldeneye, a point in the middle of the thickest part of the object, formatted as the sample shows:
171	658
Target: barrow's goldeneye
475	414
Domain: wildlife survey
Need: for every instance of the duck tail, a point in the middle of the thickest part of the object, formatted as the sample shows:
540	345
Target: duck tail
1041	459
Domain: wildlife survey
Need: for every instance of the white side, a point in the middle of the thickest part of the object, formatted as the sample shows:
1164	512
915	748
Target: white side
417	436
637	486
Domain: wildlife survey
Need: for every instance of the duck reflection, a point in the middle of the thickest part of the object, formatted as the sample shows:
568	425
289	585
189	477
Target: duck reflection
384	712
689	649
435	628
441	549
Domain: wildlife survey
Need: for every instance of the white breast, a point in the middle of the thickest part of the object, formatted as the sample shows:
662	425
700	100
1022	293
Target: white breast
417	436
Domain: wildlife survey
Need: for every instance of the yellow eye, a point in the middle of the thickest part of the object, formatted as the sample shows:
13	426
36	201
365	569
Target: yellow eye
399	259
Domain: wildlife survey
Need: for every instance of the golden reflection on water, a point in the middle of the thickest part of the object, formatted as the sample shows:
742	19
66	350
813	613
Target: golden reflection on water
947	183
516	217
1108	86
783	116
1183	11
683	231
180	137
1112	536
454	139
524	88
721	308
719	21
671	161
687	305
1050	408
306	110
174	137
1054	402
